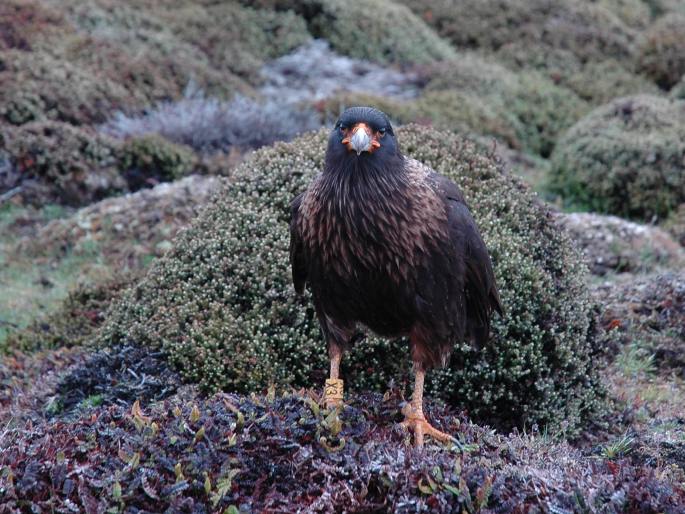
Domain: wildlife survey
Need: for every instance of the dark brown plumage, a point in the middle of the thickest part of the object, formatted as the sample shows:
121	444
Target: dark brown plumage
386	243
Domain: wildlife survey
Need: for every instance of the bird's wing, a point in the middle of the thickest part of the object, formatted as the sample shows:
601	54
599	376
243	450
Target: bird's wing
298	261
480	287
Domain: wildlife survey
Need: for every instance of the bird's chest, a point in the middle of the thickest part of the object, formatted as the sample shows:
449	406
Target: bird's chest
377	241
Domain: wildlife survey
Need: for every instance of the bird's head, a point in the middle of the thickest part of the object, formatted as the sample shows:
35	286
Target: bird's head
361	135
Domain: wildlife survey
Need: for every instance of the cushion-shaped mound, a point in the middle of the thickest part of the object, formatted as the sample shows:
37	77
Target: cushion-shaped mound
662	52
625	158
222	305
580	31
383	31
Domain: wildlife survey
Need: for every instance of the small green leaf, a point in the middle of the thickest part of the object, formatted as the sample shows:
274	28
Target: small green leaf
116	490
195	414
199	435
451	489
178	470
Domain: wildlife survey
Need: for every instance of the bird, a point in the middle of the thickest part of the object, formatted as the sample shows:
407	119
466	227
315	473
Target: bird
385	244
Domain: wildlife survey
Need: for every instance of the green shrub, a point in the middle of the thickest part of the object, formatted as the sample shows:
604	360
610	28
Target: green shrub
662	52
222	305
625	158
526	105
235	38
583	30
150	158
377	30
601	82
27	24
634	13
35	86
63	164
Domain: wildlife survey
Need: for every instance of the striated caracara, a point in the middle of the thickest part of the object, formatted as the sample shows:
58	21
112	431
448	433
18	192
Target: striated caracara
384	242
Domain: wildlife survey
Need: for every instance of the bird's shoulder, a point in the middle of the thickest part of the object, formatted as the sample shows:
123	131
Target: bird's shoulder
425	177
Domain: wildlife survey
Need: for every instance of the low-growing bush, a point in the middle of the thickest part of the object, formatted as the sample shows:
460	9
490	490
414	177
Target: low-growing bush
236	38
526	105
624	158
149	159
27	24
662	51
601	82
378	30
222	306
634	13
583	30
62	163
35	86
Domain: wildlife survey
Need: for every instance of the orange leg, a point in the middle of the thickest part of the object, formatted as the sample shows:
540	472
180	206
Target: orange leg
333	390
414	418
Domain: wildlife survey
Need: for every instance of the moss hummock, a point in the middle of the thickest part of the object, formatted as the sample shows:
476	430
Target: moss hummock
624	158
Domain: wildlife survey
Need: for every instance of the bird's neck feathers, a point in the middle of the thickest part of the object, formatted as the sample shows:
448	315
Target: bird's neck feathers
363	179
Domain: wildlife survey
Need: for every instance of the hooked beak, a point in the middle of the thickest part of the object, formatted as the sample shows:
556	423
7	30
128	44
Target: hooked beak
361	139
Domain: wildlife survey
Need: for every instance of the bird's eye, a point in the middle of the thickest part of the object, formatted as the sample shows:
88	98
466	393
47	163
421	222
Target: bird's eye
343	126
382	131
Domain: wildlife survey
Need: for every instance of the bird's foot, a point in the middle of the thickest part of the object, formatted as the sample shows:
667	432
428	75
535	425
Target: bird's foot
415	420
333	393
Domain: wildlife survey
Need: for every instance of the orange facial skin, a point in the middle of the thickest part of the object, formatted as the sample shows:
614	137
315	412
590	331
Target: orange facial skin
375	136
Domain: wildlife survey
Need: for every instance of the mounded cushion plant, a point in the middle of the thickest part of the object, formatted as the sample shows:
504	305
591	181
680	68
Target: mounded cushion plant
662	51
383	31
527	105
472	94
150	158
222	306
588	31
62	163
624	158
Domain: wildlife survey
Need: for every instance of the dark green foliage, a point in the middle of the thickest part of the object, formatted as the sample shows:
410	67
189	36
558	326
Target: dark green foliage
378	30
662	52
222	305
563	40
625	158
62	163
525	109
601	82
478	96
36	86
148	159
234	38
579	31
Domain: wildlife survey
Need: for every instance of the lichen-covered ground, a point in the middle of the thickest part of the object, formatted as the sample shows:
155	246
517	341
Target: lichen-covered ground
120	120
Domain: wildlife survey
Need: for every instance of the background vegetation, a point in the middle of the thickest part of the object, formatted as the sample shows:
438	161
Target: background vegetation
151	345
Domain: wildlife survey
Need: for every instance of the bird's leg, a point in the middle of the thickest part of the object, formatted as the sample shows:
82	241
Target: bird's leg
414	418
333	390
